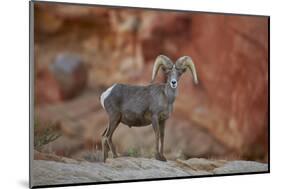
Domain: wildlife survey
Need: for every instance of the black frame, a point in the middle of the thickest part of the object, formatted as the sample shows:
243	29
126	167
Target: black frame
31	95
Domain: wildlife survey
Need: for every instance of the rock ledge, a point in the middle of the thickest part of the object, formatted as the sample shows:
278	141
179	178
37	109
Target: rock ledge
127	168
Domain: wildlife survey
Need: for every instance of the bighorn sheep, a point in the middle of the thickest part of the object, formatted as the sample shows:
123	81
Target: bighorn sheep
144	105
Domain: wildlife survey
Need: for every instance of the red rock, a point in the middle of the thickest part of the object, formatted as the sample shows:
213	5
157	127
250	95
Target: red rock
230	54
230	104
47	89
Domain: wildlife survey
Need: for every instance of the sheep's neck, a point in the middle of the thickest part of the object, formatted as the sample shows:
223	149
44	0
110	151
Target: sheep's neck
171	94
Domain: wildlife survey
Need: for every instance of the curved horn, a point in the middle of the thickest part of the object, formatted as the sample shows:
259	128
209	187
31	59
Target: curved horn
161	60
186	62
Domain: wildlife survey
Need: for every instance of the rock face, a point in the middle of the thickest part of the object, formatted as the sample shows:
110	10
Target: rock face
231	57
226	115
45	80
125	168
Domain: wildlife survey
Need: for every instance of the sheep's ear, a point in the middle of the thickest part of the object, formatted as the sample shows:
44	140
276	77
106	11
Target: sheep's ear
186	62
161	61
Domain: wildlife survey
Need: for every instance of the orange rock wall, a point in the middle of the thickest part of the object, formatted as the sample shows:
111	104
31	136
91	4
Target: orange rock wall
119	45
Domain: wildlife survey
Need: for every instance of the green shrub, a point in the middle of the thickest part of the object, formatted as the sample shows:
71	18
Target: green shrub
133	152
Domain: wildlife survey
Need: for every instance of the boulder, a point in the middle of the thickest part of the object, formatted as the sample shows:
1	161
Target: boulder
71	74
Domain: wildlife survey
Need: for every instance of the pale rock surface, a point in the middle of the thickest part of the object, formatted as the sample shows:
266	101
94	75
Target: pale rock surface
129	168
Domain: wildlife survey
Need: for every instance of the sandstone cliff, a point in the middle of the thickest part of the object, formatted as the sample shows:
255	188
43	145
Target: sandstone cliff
225	116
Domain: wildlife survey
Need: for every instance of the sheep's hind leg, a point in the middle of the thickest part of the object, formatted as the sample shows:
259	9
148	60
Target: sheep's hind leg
113	123
105	148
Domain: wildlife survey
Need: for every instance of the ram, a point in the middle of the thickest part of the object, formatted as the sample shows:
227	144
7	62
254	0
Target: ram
138	106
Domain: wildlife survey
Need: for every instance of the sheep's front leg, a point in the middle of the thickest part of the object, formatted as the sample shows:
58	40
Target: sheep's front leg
155	125
162	132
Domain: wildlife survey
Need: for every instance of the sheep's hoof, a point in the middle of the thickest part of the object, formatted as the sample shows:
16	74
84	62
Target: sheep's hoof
105	155
114	156
163	158
160	157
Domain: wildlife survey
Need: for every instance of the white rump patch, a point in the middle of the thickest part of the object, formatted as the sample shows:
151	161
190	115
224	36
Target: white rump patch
105	94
